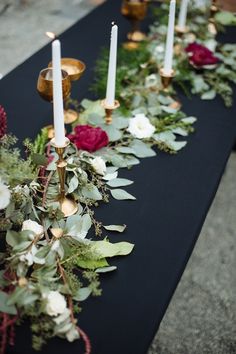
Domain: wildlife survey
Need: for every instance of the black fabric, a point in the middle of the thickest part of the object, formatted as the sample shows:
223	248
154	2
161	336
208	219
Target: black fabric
173	194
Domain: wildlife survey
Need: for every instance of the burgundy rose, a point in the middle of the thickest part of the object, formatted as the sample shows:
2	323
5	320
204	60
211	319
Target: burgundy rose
200	56
89	138
3	122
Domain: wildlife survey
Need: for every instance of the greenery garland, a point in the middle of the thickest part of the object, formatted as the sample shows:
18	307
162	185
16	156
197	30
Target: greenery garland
50	263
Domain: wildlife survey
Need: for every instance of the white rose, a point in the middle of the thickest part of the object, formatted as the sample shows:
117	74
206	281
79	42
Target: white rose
56	303
140	127
99	165
5	195
33	226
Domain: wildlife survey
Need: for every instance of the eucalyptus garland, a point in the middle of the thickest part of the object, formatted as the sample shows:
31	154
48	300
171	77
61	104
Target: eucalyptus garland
50	264
202	65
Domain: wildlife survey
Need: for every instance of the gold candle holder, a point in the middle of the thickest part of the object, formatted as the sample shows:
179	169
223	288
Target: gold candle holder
109	110
166	79
212	25
181	31
67	204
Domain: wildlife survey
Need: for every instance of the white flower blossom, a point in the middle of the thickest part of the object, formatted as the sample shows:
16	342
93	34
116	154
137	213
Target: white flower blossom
55	303
140	127
33	226
5	195
99	165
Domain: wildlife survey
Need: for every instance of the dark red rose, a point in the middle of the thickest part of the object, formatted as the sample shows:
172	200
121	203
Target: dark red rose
200	56
89	138
3	122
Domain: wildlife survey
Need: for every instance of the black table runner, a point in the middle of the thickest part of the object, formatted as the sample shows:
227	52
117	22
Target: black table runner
173	194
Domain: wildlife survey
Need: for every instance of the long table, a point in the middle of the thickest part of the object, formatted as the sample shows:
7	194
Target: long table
174	194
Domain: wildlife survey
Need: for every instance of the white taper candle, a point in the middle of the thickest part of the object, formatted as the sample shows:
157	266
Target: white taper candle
111	78
58	112
183	14
170	40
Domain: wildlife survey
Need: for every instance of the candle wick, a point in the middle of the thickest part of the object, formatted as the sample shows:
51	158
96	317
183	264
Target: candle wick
113	23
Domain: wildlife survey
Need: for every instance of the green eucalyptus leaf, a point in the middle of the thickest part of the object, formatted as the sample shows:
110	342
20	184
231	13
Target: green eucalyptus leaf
4	306
91	192
113	133
82	294
106	249
209	95
92	263
77	226
73	184
105	269
121	194
118	228
141	149
119	182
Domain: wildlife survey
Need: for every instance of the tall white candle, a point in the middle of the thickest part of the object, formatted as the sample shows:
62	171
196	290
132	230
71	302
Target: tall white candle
183	14
170	40
58	112
111	78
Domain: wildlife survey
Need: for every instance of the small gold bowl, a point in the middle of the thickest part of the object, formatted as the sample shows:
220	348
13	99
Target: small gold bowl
45	84
73	67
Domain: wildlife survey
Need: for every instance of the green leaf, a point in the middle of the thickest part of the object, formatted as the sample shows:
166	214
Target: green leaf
225	18
105	269
82	294
189	120
77	226
73	184
106	249
120	122
125	150
91	192
118	228
113	133
121	194
4	307
177	145
92	263
16	296
141	149
209	95
12	238
119	182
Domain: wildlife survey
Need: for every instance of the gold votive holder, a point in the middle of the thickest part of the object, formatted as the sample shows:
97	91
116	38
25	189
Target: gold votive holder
166	79
45	84
68	206
74	67
135	12
109	110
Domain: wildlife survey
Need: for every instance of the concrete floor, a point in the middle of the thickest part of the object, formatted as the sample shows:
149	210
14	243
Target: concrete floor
201	318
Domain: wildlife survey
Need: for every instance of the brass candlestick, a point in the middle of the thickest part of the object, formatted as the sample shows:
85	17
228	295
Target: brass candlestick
67	204
109	109
212	25
166	79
